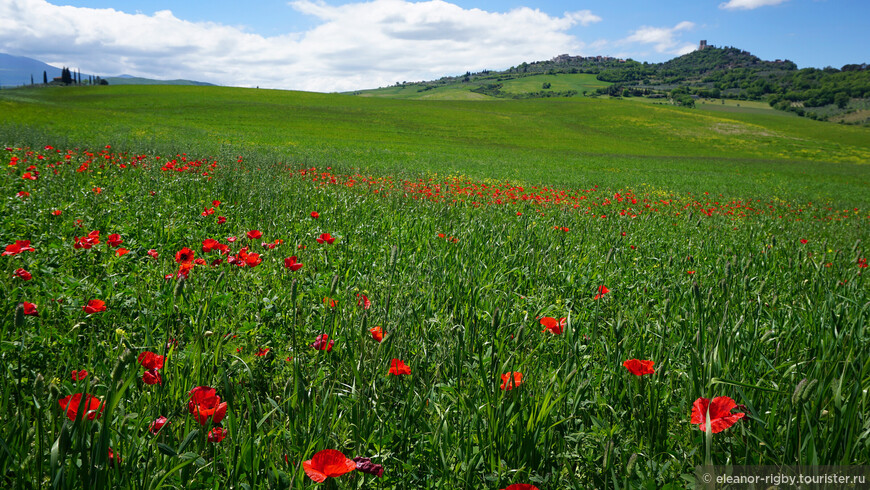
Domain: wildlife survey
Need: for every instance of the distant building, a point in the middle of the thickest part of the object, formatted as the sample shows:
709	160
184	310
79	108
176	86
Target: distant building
703	45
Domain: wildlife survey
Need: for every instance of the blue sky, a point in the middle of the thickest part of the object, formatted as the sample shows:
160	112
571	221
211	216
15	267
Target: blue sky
330	45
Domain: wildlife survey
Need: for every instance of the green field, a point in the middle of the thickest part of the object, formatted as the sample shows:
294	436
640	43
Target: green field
236	233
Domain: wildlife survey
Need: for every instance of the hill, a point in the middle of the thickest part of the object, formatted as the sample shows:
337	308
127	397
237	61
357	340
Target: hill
131	80
709	73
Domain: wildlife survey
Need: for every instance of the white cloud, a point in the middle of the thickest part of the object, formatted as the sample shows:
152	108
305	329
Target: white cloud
356	45
748	4
663	39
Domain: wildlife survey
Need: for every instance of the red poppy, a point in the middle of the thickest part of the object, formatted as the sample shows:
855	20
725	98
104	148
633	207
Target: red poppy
511	380
804	241
114	458
398	367
18	247
152	377
97	190
207	212
23	274
327	463
153	253
363	300
262	352
56	212
377	333
94	306
79	375
720	413
253	259
121	252
553	325
638	367
23	194
205	403
209	244
602	290
150	360
29	176
221	220
270	246
92	405
290	263
29	309
315	214
158	424
690	272
330	302
114	240
366	466
232	239
325	238
215	203
322	342
217	434
184	256
521	486
254	234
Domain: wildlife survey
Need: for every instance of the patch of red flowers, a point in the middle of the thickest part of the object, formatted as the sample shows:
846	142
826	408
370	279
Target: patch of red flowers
638	367
18	247
720	413
329	463
92	406
152	363
262	352
556	327
94	306
325	238
511	380
398	367
217	434
204	404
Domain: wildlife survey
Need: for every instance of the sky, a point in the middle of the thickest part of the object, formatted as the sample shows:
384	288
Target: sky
339	45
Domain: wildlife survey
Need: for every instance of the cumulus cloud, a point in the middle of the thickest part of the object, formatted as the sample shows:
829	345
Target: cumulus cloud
663	39
355	45
748	4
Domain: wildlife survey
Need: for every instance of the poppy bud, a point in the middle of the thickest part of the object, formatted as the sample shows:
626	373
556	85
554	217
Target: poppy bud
39	386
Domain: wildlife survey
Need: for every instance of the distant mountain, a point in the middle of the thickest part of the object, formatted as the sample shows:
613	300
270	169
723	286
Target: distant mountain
131	80
16	71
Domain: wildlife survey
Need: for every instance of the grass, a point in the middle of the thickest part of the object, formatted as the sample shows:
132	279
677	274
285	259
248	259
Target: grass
580	82
719	270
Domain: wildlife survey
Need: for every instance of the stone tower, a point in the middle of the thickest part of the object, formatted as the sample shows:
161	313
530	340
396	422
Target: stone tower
702	45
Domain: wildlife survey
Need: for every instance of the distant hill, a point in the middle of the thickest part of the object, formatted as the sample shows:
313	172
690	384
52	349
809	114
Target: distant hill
841	95
131	80
16	71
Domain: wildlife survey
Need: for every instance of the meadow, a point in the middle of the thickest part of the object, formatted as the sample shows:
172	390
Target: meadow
452	289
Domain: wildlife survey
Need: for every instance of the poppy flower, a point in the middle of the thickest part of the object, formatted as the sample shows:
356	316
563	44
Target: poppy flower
29	176
207	212
23	194
363	300
262	352
158	424
205	403
290	263
330	302
121	252
511	380
327	463
232	239
221	220
690	272
56	212
209	244
150	360
23	274
325	238
97	190
315	214
254	234
18	247
638	367
217	434
720	413
72	403
377	333
366	466
215	203
521	486
322	342
152	377
153	253
804	241
94	306
114	240
114	458
184	256
79	375
29	309
602	290
398	367
553	325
